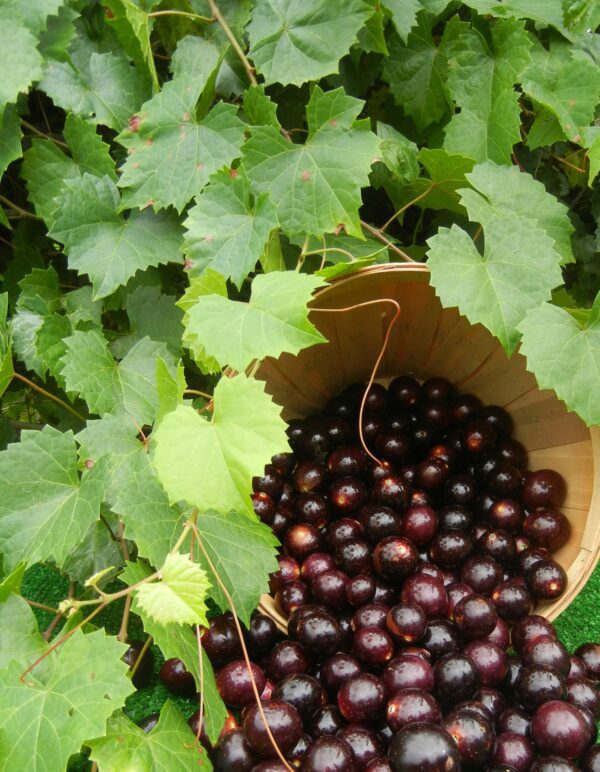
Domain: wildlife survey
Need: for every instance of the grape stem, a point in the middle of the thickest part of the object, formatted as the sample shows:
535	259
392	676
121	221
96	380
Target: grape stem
390	244
233	40
54	398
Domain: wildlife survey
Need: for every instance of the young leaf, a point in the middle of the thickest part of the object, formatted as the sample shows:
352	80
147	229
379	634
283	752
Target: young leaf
101	243
292	42
169	747
172	153
243	552
179	597
259	110
520	265
209	283
6	364
481	79
45	509
316	185
132	26
46	720
417	72
228	228
50	345
124	389
273	321
564	355
403	14
22	62
210	464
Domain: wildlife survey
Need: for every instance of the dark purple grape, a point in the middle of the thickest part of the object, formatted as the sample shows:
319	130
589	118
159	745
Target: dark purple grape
390	491
529	629
384	593
514	670
436	413
320	634
409	706
393	446
504	480
500	635
283	463
432	473
329	588
282	520
589	653
490	661
446	453
423	747
178	680
552	764
507	515
341	530
482	574
544	488
456	592
493	700
291	596
235	684
475	616
497	417
515	720
547	528
145	668
479	437
312	508
473	735
584	693
455	517
512	601
578	669
302	691
450	549
296	755
354	557
395	558
264	507
538	684
379	522
404	391
283	721
338	669
547	650
261	635
427	592
147	724
529	557
559	728
419	524
364	743
408	672
514	750
373	646
361	699
348	461
590	761
465	407
431	570
499	545
328	753
370	615
377	398
460	489
309	477
316	563
547	580
301	539
360	589
407	622
522	543
476	707
456	678
347	494
286	658
233	753
441	637
315	442
326	721
512	451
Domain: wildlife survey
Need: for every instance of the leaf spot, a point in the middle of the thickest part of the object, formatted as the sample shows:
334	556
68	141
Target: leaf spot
148	203
89	463
209	237
186	116
134	123
92	676
136	165
187	264
333	122
233	173
149	141
305	176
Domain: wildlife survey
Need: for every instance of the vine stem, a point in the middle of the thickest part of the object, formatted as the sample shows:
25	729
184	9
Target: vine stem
122	634
42	606
201	673
58	616
188	14
233	40
377	361
141	656
198	393
39	133
406	206
384	239
18	209
244	649
47	394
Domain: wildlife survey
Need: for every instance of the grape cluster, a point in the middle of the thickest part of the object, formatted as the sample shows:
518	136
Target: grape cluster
409	583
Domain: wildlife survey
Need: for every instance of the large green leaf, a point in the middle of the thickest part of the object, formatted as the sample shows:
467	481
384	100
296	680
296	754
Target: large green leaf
45	508
520	264
169	747
228	229
10	138
403	14
46	167
133	26
417	72
292	42
481	79
317	185
564	355
243	551
6	364
151	314
102	243
127	388
20	639
46	720
273	321
20	61
34	15
210	464
171	152
209	283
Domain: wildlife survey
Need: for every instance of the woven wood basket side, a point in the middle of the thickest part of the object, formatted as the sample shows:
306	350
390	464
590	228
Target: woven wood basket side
430	340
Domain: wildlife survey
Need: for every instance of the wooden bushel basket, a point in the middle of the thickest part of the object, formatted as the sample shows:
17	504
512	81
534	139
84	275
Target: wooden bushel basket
429	340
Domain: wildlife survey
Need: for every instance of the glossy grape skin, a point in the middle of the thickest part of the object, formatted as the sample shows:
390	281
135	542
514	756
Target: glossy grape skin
419	524
235	684
479	437
329	753
329	588
361	699
426	592
473	735
319	634
455	517
528	558
475	616
145	669
302	691
309	477
456	678
379	522
460	489
546	580
590	761
364	743
547	650
408	671
178	680
552	764
347	494
337	669
233	753
360	589
404	391
261	634
490	661
482	573
529	628
286	658
584	693
441	637
284	722
393	446
465	407
354	557
263	506
395	558
512	601
547	528
347	461
326	721
409	706
316	563
423	747
559	728
499	545
515	720
544	488
370	615
513	750
312	508
291	596
301	539
390	491
589	653
500	635
578	669
506	514
450	549
270	765
456	592
373	646
538	684
407	622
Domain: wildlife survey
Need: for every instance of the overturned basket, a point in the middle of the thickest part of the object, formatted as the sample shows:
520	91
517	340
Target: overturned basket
429	340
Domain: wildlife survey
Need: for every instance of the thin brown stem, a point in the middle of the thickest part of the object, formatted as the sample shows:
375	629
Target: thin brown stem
19	210
384	240
39	133
201	673
58	616
123	629
406	206
141	656
113	535
47	394
188	14
233	40
42	606
244	649
567	163
198	393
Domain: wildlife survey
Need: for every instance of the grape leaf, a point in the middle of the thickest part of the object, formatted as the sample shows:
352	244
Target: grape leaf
520	264
293	42
569	89
228	228
545	130
98	550
104	245
10	138
179	596
20	639
60	30
125	389
20	61
403	14
99	86
542	11
172	153
50	344
46	508
40	292
6	364
316	185
209	283
564	355
243	551
34	17
154	315
417	72
133	26
259	110
593	140
398	153
197	56
169	747
273	321
24	328
210	464
46	720
481	79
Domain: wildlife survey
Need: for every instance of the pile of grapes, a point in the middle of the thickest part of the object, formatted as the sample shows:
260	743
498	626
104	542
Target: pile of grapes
409	575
